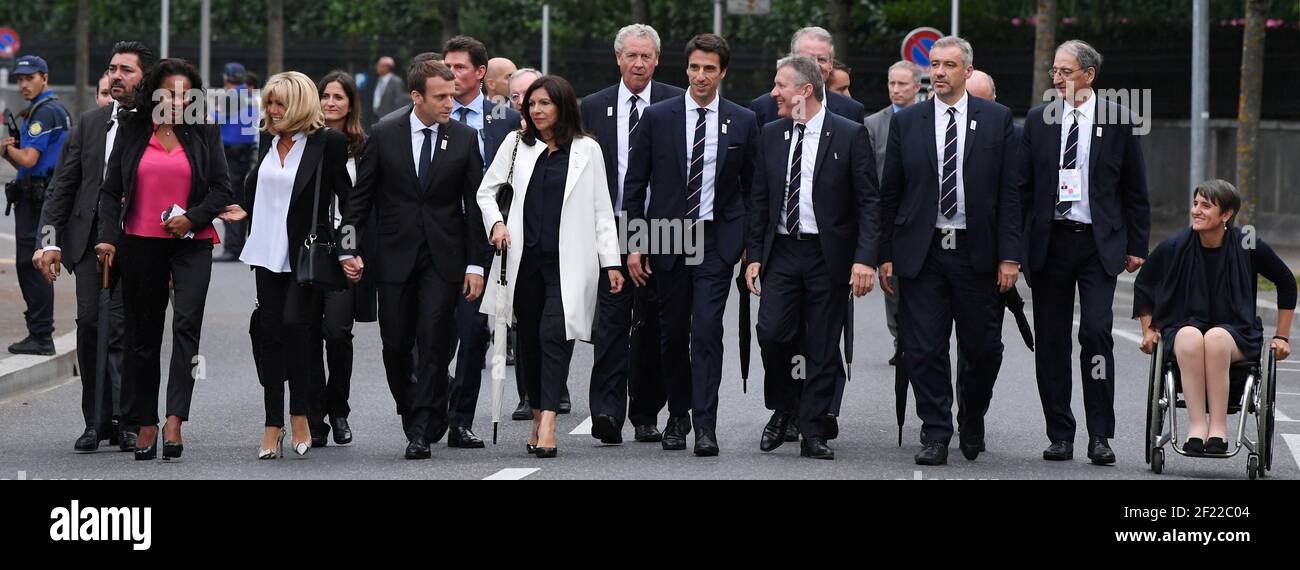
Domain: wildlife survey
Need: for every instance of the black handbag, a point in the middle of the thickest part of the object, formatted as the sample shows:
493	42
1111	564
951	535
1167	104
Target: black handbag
506	193
318	259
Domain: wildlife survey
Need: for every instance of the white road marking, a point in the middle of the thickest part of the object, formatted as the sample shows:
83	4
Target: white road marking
583	428
1293	442
511	474
1281	417
9	237
1288	394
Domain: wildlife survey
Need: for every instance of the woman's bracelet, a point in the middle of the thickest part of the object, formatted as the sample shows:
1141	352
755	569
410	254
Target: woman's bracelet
1282	338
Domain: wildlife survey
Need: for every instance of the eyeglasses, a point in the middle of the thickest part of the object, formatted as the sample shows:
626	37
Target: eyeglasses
1064	71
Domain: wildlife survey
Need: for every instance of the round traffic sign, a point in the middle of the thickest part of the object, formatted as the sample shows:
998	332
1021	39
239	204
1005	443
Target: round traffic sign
8	42
917	44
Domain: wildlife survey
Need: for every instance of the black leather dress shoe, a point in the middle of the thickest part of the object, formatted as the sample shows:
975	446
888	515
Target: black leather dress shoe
522	412
418	448
971	438
604	428
934	453
463	438
88	442
830	427
126	439
1059	451
320	437
815	448
565	407
706	443
1101	454
342	431
675	434
774	432
41	346
648	434
792	431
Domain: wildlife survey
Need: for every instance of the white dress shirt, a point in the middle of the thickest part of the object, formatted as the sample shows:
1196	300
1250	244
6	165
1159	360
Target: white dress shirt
381	83
710	150
417	140
268	242
940	135
807	166
1085	115
473	118
624	113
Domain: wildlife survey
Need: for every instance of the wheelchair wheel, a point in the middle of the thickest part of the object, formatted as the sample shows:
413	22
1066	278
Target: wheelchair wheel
1265	411
1157	460
1253	466
1155	414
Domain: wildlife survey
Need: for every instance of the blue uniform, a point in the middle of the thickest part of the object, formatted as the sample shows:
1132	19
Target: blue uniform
45	130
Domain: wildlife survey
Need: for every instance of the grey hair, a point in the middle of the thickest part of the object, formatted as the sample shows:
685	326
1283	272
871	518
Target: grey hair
520	72
1084	53
912	67
805	71
814	32
967	52
636	31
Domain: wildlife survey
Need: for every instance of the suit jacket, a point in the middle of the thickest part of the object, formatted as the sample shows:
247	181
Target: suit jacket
764	108
658	158
588	233
407	214
910	187
392	98
72	198
325	148
495	129
1117	185
846	198
600	118
878	127
209	178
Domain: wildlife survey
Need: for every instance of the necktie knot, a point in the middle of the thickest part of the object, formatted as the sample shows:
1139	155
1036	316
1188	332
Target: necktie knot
427	131
702	112
802	127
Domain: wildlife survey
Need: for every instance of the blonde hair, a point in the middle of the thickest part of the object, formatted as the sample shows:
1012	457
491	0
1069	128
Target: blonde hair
301	101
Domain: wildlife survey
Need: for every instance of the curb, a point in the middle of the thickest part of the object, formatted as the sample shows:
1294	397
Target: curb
22	373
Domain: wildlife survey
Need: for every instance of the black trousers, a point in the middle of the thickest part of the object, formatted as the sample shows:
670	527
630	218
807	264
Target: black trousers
419	314
626	377
146	265
798	295
89	288
239	158
335	376
38	293
1072	261
544	353
948	290
471	353
287	317
692	301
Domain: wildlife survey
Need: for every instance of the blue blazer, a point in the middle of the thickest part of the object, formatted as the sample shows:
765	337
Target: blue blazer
603	126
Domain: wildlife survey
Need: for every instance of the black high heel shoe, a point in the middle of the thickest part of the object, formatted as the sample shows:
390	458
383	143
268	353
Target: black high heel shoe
546	452
147	453
172	450
530	448
1216	445
1194	446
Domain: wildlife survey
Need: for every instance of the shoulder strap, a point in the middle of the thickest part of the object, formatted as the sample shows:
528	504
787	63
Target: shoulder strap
315	197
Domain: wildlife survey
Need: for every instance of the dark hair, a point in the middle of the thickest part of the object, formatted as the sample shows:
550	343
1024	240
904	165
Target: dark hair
421	58
153	81
420	73
141	51
478	53
1221	193
568	122
839	66
710	43
351	124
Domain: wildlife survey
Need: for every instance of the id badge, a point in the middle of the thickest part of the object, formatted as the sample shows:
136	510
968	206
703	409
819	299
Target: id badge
1071	185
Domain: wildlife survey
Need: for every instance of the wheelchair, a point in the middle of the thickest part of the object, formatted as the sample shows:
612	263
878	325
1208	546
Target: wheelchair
1252	390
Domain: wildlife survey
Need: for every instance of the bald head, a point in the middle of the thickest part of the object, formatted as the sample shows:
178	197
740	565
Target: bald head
497	79
385	65
981	85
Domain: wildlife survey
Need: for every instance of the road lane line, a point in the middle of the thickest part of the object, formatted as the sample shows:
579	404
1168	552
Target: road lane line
1293	442
511	474
583	428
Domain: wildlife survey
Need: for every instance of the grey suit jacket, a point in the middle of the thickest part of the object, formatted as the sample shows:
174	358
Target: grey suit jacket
393	97
72	198
878	127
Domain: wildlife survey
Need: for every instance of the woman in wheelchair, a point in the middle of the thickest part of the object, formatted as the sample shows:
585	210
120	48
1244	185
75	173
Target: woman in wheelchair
1197	290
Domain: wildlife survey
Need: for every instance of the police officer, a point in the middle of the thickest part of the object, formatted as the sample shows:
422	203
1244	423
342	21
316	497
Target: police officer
238	118
43	130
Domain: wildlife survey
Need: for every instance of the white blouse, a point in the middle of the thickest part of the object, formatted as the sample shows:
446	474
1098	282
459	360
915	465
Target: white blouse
268	242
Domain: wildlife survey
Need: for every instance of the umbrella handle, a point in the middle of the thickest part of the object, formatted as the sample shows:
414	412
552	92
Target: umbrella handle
108	264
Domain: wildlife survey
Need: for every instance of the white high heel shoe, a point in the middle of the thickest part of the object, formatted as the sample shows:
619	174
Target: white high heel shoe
276	453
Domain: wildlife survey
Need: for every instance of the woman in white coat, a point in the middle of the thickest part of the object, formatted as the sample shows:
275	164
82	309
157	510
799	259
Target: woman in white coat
560	234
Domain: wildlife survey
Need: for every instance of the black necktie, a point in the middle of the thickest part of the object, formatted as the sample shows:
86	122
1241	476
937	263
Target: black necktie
426	156
110	125
948	187
1070	162
695	184
464	115
633	118
792	188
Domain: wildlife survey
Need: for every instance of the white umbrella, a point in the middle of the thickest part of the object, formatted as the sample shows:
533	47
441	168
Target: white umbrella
499	346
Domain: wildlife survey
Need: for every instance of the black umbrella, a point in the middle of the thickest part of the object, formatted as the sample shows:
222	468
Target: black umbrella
101	347
848	341
1016	304
900	392
634	334
743	306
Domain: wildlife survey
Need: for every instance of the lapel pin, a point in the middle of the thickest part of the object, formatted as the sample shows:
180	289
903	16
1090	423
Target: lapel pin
724	128
787	135
1098	132
972	125
837	155
609	111
444	144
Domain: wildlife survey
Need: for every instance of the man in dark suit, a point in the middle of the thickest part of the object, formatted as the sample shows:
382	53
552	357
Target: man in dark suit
953	238
383	94
625	378
701	176
1087	219
71	202
468	58
813	228
420	175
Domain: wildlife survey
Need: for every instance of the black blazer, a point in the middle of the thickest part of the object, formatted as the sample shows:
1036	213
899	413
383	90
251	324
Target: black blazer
496	128
72	198
764	108
325	148
407	214
1117	185
846	198
658	158
209	178
600	119
910	187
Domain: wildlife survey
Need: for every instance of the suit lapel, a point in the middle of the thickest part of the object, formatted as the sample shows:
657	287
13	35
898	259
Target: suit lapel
403	141
724	137
98	138
311	156
679	140
441	144
927	137
577	161
972	136
823	145
1094	148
